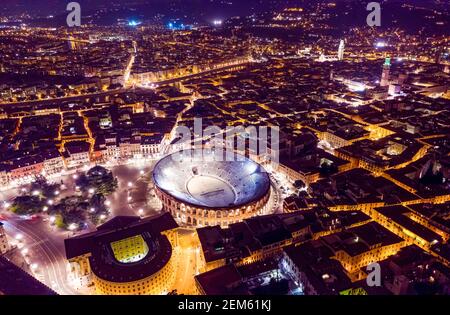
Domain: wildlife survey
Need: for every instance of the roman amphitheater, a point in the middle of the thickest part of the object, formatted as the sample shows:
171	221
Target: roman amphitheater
211	190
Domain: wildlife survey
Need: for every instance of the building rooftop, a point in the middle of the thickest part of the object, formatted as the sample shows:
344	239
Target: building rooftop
399	215
326	275
225	280
360	239
102	259
15	281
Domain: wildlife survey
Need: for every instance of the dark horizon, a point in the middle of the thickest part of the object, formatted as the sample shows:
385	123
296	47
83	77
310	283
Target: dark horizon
347	13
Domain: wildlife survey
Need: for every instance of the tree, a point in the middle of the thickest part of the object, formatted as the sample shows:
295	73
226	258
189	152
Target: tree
299	184
59	221
102	180
98	202
82	182
97	208
107	187
26	205
71	210
46	190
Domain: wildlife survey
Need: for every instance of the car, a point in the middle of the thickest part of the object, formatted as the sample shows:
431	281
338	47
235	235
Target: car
35	218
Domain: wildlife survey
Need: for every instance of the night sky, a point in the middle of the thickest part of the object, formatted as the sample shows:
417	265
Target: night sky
225	7
106	12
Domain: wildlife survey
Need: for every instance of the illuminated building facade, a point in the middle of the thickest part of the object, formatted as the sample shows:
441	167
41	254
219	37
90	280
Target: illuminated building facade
4	245
263	237
145	78
209	193
126	256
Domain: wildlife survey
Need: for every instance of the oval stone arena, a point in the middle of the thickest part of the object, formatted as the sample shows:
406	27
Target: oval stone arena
210	190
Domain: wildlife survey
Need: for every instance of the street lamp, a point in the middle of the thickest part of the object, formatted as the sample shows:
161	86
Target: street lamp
72	226
52	219
36	193
141	212
91	190
130	184
19	237
50	202
44	208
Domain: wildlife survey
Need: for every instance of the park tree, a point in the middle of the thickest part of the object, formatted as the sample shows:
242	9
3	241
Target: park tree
26	205
46	189
102	180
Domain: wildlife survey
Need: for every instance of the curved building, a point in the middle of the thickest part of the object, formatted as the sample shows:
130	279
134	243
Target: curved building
210	190
127	255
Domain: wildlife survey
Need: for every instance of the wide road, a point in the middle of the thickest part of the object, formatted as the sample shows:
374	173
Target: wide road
46	249
45	243
65	99
116	91
186	262
197	75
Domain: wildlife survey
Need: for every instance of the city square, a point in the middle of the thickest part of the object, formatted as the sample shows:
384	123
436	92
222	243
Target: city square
286	148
